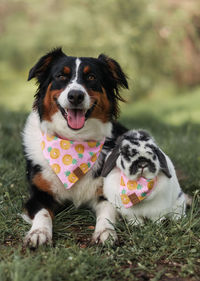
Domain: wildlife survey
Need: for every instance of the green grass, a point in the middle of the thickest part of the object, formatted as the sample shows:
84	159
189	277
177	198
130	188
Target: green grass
128	32
169	251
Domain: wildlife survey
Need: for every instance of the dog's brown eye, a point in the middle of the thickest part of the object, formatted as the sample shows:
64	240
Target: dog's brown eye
91	77
61	77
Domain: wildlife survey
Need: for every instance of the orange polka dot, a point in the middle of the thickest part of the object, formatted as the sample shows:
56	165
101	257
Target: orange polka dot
125	199
42	145
92	143
132	185
54	153
79	148
72	178
67	159
94	158
65	144
84	167
50	138
122	182
150	184
56	168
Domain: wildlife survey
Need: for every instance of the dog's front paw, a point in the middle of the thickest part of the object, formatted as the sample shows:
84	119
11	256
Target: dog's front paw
37	237
104	235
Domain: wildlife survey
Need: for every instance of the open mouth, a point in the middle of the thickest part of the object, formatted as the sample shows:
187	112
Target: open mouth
76	117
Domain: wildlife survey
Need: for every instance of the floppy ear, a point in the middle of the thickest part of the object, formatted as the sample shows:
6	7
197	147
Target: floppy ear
41	67
116	70
110	163
163	162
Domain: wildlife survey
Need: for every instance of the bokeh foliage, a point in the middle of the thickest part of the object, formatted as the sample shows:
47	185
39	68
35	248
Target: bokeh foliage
153	40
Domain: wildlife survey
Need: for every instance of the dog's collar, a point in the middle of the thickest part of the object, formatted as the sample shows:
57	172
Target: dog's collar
133	192
70	159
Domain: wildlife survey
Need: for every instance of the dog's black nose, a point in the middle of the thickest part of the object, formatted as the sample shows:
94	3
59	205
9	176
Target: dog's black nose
76	97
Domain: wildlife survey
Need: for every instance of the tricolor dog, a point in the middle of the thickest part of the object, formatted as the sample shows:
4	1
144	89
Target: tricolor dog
74	111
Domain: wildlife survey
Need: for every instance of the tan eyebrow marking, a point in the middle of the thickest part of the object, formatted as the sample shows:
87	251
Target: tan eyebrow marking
66	70
86	69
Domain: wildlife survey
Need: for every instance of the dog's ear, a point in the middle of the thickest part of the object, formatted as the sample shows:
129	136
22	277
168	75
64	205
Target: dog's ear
163	162
116	70
40	68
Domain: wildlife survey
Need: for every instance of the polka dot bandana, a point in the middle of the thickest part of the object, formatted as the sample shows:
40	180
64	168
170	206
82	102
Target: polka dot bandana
70	160
132	192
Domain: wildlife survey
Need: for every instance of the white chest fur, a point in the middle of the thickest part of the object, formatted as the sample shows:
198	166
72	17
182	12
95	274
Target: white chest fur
82	192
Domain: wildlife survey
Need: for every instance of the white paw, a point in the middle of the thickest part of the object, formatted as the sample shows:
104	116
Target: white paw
37	237
102	236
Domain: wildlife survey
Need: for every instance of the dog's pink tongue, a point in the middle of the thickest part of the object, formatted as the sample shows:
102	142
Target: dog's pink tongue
75	118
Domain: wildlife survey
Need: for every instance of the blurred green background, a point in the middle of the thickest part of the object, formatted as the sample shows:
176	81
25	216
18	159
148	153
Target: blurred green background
156	42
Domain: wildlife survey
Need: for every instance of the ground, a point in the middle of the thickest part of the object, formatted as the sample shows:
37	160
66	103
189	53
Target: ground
168	251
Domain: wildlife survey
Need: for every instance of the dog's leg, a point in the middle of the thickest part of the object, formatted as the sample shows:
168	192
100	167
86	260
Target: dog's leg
106	216
41	230
40	209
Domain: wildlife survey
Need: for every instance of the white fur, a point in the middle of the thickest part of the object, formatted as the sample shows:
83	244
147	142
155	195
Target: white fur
41	230
106	215
82	192
164	199
74	85
32	140
93	129
142	152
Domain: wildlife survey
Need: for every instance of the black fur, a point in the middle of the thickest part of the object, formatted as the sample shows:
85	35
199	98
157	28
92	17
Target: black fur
132	136
110	162
38	199
48	70
41	69
102	198
108	75
114	79
163	162
144	135
112	145
125	151
122	163
31	169
132	139
117	130
135	165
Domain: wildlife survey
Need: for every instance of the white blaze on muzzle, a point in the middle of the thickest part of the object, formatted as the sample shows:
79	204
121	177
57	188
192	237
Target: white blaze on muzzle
75	114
